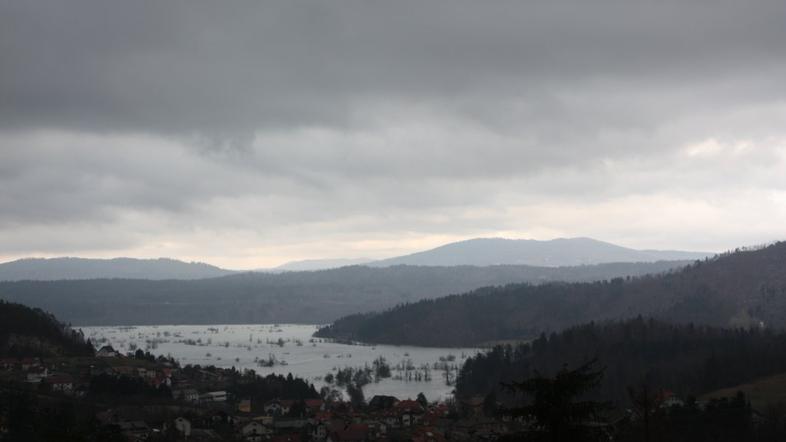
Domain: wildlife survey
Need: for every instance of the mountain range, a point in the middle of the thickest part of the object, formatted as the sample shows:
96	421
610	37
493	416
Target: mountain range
315	297
560	252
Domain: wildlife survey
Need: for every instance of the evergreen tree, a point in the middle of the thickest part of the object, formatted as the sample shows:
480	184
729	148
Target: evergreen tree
555	404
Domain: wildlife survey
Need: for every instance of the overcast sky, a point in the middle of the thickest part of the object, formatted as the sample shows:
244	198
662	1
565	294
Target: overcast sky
246	134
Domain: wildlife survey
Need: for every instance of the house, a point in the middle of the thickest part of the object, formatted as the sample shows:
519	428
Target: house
214	396
145	373
409	412
244	406
668	399
319	431
314	405
290	423
186	394
8	363
264	420
183	426
377	429
107	352
276	407
255	432
36	375
29	363
160	380
62	383
219	417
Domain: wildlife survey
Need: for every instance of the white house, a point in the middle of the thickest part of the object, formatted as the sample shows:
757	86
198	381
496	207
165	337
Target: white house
35	376
106	352
276	407
61	383
186	394
255	432
214	396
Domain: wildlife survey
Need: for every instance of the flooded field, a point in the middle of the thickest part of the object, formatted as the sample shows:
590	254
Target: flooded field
288	348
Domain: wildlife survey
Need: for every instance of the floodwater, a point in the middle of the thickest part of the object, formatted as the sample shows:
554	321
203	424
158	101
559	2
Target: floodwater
290	348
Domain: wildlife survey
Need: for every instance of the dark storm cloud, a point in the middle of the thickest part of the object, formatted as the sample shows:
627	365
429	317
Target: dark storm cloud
231	68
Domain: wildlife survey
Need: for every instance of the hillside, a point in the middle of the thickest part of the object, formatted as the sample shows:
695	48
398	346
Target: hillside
32	332
41	269
684	359
742	288
301	297
552	253
769	391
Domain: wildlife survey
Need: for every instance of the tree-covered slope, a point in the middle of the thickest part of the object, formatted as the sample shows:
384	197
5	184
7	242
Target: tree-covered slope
25	331
741	288
684	359
302	297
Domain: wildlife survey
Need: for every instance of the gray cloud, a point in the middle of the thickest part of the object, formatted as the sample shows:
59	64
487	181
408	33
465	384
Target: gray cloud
234	68
301	129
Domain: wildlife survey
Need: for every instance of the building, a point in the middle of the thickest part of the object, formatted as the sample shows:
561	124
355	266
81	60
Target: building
255	432
186	394
244	406
36	375
214	396
62	383
276	407
106	352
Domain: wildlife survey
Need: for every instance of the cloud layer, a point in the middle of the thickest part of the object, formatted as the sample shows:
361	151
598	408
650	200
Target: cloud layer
250	133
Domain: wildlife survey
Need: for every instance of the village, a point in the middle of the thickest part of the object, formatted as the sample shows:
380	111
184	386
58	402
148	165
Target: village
139	397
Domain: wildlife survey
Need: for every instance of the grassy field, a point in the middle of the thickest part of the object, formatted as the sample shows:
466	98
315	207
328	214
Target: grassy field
761	392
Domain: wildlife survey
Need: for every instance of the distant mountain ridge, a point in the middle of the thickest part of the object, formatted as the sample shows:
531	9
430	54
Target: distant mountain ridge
315	297
308	265
551	253
746	288
481	252
51	269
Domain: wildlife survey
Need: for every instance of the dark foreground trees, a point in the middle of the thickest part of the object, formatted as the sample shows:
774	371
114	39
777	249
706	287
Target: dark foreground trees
556	407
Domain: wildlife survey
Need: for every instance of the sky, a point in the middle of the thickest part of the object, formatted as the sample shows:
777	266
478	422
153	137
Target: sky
250	133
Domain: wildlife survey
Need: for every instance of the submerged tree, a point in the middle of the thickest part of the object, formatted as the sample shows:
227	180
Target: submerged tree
555	405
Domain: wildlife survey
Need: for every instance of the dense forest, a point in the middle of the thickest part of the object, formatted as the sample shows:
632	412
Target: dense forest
743	288
685	359
299	297
25	331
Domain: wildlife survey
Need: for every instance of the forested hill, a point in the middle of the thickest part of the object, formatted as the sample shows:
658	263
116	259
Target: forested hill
301	297
741	288
25	331
685	359
51	269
